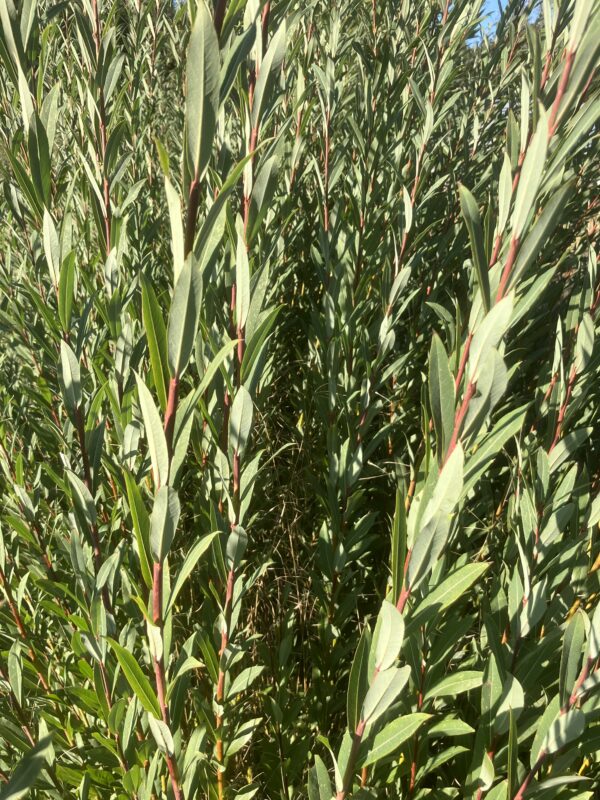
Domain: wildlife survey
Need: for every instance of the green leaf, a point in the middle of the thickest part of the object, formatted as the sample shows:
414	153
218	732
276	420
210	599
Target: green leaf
383	692
156	334
240	421
583	9
488	335
237	541
567	447
358	682
572	652
163	522
564	729
441	393
470	212
136	679
542	728
189	563
489	447
457	683
177	245
389	739
66	286
513	752
51	247
183	316
594	635
504	193
27	770
15	671
435	521
542	229
267	74
83	500
387	637
449	591
202	96
214	365
157	442
70	379
244	680
242	736
450	726
319	783
141	526
162	734
512	700
585	343
532	172
398	555
242	283
210	233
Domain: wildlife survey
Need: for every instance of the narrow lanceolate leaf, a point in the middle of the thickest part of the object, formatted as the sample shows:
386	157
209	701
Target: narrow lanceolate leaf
488	335
398	545
542	229
163	522
189	563
51	247
269	68
532	172
240	421
183	317
449	591
388	636
242	283
435	522
83	500
383	692
202	97
244	680
27	770
593	650
504	193
472	217
358	683
457	683
567	447
319	783
564	729
391	737
162	734
70	379
572	652
15	671
512	700
141	526
441	393
157	443
136	679
66	288
177	247
237	541
156	334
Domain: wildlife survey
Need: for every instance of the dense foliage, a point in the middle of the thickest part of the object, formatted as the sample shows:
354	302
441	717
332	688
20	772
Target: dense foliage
299	378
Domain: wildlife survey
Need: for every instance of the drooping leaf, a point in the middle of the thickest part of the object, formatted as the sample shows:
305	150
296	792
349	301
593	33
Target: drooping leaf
136	679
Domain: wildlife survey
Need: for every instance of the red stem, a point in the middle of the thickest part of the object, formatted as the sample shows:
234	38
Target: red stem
513	249
459	419
562	86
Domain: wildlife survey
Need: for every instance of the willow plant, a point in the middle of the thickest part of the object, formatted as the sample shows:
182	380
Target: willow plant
299	461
